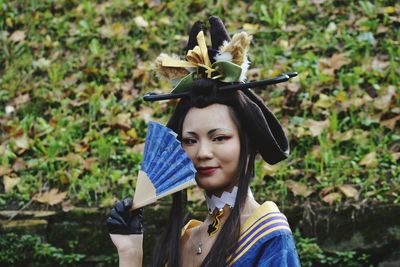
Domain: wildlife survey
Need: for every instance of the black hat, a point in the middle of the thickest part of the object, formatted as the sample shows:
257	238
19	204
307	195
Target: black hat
226	63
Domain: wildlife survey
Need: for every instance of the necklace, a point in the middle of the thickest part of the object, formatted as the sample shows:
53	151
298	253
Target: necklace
198	249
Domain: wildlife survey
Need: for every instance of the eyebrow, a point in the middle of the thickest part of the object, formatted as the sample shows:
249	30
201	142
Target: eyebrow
209	132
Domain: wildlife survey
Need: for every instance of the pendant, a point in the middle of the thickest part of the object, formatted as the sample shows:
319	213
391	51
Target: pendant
214	226
199	250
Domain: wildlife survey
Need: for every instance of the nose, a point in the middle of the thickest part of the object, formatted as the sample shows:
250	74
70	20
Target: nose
204	151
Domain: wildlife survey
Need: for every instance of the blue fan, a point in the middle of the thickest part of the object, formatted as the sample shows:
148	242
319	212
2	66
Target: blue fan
165	168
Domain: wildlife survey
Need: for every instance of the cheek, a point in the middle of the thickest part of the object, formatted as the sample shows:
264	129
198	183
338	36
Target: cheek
190	152
230	153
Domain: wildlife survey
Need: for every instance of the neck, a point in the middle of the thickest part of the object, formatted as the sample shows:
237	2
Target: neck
219	202
219	192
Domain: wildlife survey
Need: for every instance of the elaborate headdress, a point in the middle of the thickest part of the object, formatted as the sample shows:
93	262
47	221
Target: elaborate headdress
226	63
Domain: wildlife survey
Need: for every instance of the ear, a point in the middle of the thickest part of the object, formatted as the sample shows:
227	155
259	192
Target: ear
218	32
192	42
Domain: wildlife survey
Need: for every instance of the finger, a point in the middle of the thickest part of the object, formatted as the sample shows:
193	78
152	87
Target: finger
119	207
117	217
127	202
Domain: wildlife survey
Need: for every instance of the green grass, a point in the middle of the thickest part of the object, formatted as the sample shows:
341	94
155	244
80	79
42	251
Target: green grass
76	78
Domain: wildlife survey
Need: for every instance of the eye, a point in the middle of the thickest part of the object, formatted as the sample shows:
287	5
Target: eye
220	138
188	141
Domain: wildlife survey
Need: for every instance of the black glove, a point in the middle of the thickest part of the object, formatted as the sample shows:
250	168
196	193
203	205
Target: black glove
122	221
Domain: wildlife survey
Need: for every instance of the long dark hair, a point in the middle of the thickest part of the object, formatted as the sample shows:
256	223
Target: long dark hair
203	94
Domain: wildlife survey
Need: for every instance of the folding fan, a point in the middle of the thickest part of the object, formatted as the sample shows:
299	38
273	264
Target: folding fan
165	168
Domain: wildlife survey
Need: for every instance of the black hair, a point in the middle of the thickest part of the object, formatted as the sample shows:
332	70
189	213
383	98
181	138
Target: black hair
204	93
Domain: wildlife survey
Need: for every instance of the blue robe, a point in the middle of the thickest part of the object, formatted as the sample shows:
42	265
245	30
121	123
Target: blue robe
265	240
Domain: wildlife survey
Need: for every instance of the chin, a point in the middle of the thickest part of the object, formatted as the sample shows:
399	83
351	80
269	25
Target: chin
211	186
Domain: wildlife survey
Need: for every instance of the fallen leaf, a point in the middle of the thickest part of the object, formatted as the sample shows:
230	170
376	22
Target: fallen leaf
383	102
21	99
81	147
293	87
332	197
124	179
139	148
141	22
361	137
132	133
339	60
145	113
379	65
51	197
369	160
251	28
70	80
316	127
4	170
41	63
348	190
390	123
396	155
324	101
332	27
316	151
388	10
19	165
22	142
382	29
326	190
298	189
122	120
119	29
343	136
140	73
329	65
17	36
67	206
10	183
114	30
88	163
341	96
269	169
72	158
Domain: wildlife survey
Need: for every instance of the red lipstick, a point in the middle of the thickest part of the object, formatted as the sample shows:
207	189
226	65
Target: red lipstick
206	171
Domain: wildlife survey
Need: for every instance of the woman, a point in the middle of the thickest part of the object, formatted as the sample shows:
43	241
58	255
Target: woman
221	131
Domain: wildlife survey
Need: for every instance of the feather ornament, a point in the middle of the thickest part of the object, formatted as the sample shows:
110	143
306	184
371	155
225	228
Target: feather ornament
237	47
170	73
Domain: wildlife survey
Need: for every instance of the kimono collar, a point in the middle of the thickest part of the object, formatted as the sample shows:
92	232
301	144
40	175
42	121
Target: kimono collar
227	198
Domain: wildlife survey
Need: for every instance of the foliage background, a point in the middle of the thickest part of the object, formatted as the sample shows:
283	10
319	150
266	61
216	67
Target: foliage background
73	123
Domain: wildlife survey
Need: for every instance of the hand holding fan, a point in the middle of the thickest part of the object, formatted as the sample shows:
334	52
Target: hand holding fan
165	168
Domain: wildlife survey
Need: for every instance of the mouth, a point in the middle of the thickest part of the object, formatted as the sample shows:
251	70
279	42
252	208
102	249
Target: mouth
206	171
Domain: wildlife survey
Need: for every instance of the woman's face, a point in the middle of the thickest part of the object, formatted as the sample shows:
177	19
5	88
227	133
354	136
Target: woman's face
211	139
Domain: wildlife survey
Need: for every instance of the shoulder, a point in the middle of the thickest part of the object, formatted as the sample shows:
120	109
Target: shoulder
265	223
187	229
266	231
268	208
186	234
